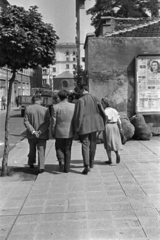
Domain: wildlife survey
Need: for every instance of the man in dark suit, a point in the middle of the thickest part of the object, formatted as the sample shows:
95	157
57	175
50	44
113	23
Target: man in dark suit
89	118
62	129
37	121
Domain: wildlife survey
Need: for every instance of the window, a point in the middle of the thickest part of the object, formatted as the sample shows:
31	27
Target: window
67	66
54	69
74	59
74	66
74	53
65	84
67	53
44	71
67	58
44	81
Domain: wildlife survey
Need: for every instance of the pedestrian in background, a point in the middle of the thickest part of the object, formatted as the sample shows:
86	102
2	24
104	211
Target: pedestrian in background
3	102
88	120
37	121
62	130
111	134
17	101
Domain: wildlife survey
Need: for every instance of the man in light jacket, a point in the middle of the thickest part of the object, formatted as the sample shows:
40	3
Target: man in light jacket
62	130
37	121
89	118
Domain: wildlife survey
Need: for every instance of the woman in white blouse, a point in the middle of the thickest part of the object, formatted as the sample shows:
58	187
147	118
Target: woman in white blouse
111	134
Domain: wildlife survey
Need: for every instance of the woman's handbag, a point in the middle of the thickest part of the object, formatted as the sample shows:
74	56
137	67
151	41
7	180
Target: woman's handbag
123	138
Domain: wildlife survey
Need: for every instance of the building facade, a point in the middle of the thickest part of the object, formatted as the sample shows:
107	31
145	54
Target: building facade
66	60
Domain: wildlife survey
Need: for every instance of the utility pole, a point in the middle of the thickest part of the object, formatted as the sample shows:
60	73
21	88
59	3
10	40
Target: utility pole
79	5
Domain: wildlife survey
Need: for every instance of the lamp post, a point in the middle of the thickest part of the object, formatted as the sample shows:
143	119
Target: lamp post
79	5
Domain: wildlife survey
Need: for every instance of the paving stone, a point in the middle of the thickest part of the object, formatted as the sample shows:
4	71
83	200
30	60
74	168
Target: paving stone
126	214
3	236
152	233
103	234
54	209
111	202
22	236
9	211
32	210
24	228
75	216
27	219
34	202
6	223
146	212
51	217
76	208
127	223
101	224
99	215
126	234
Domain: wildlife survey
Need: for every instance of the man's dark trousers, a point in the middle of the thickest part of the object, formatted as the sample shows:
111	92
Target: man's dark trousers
63	151
88	148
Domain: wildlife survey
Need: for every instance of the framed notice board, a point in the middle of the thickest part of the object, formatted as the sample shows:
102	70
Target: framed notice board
147	94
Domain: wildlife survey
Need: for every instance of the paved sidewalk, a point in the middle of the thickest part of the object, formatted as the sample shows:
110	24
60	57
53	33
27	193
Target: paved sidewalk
111	202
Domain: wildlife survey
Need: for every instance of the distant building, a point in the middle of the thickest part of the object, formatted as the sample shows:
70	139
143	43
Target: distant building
64	80
66	61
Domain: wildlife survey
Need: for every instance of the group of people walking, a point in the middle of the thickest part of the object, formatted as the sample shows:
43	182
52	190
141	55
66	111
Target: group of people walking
87	117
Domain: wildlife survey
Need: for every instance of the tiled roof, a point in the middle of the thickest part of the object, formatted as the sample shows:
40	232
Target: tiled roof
136	28
65	74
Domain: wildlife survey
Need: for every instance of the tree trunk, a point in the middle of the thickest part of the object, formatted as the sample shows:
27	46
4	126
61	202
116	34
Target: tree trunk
6	141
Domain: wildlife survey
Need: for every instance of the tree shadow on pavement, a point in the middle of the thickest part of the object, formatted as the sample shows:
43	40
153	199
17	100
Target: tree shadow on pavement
54	169
16	116
77	161
23	134
22	173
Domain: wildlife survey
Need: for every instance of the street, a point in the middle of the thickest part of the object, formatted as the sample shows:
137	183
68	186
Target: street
16	132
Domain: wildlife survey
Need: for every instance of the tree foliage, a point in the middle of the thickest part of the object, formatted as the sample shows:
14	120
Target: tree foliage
25	42
79	77
122	9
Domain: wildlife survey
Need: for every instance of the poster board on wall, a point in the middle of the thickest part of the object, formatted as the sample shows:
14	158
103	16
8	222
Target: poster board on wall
147	92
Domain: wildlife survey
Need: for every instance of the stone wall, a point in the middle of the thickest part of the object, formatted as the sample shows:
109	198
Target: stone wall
111	70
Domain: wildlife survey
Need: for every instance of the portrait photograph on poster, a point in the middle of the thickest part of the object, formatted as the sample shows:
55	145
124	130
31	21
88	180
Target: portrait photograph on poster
148	84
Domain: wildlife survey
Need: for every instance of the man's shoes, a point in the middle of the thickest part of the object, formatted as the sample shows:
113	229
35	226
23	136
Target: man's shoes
118	159
61	168
31	165
86	170
108	162
92	165
40	171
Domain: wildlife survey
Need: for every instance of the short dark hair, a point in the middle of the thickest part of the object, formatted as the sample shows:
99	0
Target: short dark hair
105	102
63	94
36	97
84	87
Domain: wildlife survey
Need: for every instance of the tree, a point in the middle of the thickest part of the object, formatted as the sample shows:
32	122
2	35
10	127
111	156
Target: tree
122	8
79	77
25	42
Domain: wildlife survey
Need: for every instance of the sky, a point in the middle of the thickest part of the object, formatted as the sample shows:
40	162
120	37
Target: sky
61	14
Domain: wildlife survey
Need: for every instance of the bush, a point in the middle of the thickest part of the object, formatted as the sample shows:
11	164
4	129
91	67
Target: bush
142	130
128	128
